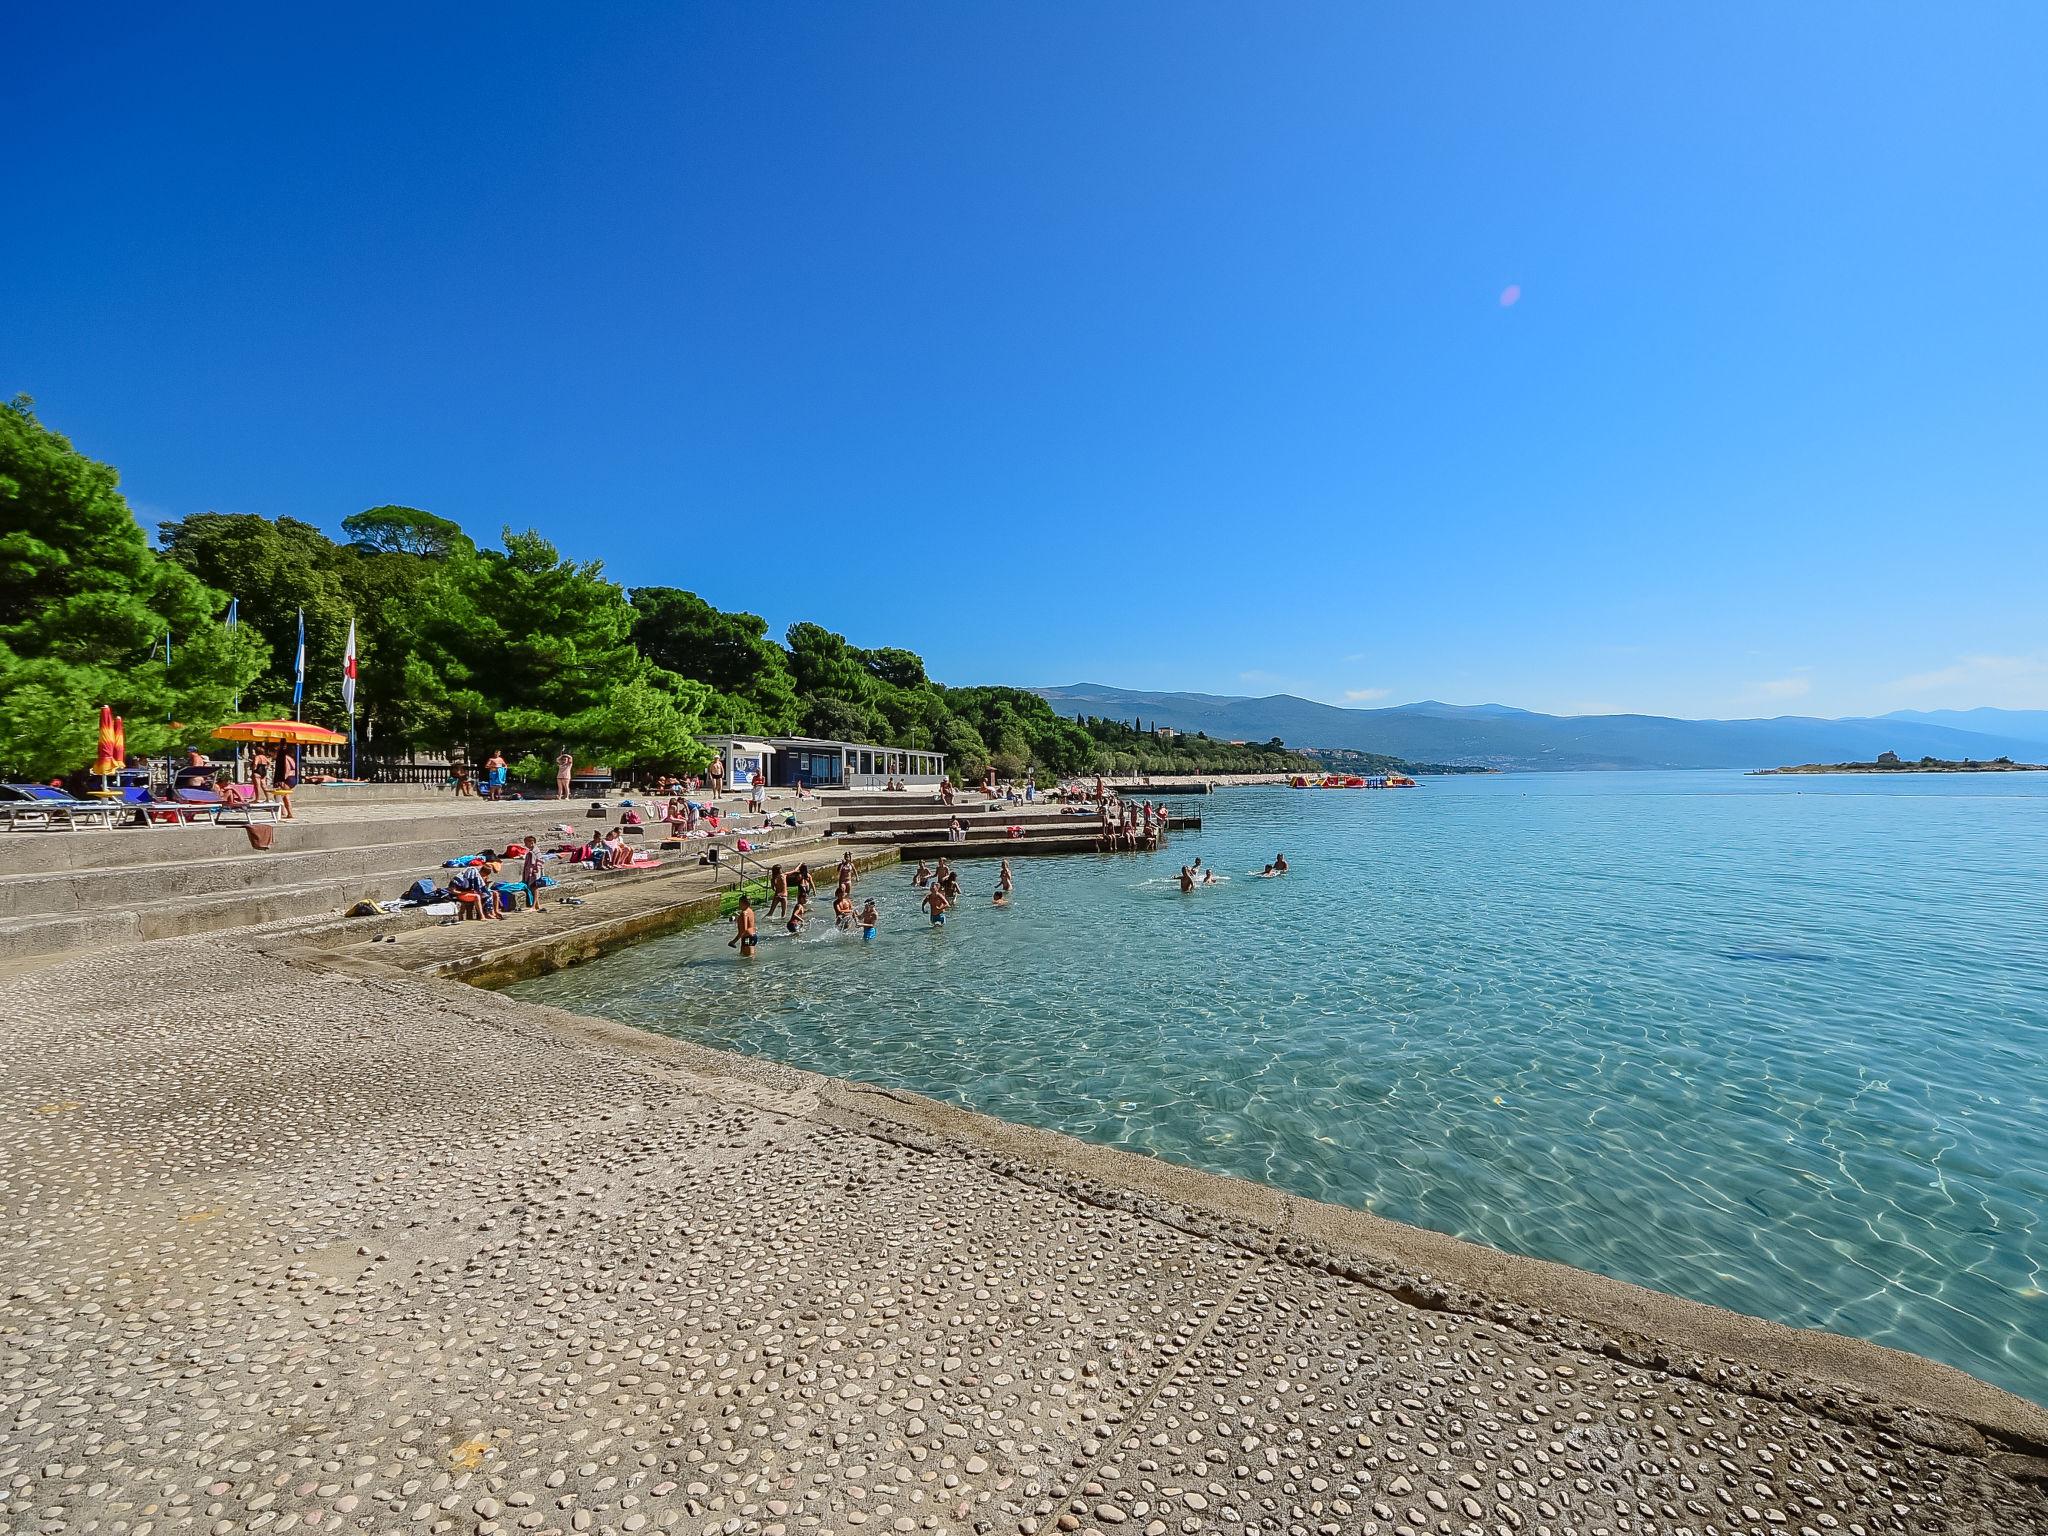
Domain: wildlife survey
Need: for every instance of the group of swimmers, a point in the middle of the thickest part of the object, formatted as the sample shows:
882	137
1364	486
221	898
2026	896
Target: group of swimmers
941	887
1192	875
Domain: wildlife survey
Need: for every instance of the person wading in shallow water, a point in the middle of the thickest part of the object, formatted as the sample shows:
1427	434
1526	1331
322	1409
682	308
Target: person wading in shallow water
936	903
743	920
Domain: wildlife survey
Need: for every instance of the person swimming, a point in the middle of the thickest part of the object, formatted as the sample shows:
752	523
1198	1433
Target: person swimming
1279	865
1209	877
1268	872
923	877
1187	879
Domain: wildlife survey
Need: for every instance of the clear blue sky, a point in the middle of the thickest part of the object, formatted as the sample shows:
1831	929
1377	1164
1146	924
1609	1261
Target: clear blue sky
1160	345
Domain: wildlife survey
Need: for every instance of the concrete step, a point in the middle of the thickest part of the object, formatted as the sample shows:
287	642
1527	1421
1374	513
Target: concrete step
996	848
99	890
998	830
975	833
1014	816
23	853
322	896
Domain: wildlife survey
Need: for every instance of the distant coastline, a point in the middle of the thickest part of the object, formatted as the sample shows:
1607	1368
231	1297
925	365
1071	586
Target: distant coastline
1891	762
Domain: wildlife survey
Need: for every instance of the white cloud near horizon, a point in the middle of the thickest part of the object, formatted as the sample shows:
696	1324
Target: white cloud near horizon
1365	695
2002	682
1783	688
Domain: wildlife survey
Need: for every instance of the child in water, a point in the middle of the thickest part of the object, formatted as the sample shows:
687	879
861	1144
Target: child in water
798	916
869	917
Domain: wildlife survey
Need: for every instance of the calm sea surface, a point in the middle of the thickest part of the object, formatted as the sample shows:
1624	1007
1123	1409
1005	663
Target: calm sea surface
1779	1044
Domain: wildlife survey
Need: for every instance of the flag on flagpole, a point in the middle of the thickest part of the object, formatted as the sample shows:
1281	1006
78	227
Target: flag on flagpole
348	671
348	694
299	672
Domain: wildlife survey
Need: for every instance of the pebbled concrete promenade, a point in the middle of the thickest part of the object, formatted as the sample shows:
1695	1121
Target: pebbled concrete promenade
293	1248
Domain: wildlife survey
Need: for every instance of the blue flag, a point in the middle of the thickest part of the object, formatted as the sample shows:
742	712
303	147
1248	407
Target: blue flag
299	670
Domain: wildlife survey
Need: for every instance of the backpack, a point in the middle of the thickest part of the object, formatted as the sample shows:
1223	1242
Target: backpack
422	893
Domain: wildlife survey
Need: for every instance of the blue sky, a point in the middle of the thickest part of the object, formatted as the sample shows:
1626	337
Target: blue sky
1161	345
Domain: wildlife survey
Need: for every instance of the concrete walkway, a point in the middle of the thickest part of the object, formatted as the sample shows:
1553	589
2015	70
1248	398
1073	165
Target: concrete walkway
293	1248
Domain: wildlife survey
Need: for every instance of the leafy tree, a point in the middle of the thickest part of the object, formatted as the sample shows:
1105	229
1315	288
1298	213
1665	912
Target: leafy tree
84	606
273	569
838	719
731	652
893	667
526	652
966	752
825	665
839	697
406	531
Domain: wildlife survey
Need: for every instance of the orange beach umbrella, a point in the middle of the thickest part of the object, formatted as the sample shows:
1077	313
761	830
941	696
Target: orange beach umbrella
109	759
298	732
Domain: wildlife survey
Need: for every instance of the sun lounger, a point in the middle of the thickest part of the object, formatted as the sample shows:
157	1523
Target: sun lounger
221	813
176	813
40	806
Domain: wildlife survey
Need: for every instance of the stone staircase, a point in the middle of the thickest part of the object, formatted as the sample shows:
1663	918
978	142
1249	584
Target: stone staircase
917	826
66	891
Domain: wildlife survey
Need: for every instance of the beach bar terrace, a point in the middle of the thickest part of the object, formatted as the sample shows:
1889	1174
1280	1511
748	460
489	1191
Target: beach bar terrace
820	764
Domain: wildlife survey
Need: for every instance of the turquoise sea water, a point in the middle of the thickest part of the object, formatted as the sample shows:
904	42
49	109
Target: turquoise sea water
1779	1044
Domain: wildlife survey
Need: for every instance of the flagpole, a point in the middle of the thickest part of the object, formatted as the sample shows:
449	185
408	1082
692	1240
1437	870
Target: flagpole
348	690
234	607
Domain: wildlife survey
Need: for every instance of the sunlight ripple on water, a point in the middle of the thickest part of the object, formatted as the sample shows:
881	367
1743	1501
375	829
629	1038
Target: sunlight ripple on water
1777	1044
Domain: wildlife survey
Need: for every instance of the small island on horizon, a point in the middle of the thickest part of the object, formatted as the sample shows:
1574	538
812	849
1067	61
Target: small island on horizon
1891	762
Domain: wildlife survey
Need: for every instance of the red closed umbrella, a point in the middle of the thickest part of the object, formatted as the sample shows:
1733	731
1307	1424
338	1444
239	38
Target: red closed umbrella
109	759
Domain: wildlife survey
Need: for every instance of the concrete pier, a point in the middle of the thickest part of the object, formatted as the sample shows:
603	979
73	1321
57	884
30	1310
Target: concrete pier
303	1235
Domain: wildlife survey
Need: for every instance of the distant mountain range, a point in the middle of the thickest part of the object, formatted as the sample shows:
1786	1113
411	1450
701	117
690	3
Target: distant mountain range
1499	736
